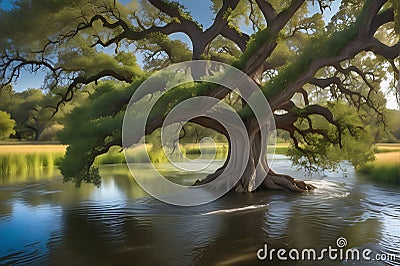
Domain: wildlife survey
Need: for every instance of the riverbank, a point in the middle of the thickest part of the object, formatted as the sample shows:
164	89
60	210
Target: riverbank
385	168
21	158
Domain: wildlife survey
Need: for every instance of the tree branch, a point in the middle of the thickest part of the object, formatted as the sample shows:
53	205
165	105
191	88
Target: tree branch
241	39
267	10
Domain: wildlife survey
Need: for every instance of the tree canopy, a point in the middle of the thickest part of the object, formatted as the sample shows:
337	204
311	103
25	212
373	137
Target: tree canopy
33	110
6	125
322	78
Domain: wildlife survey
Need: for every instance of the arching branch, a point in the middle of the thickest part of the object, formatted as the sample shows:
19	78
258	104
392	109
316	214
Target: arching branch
69	93
240	38
267	9
189	27
11	66
388	52
255	62
288	122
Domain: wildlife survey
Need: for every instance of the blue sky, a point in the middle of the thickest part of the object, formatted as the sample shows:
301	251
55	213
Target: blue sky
201	12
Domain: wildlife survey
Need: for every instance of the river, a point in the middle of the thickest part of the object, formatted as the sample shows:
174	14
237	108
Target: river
44	221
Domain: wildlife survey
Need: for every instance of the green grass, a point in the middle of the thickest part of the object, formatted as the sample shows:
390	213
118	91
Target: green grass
389	174
385	150
386	167
113	156
193	151
281	149
24	163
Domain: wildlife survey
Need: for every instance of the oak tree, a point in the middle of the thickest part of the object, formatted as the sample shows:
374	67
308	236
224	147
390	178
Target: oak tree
320	77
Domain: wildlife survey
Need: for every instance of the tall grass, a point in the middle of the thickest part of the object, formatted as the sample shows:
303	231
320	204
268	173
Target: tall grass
385	168
389	174
14	163
21	166
21	161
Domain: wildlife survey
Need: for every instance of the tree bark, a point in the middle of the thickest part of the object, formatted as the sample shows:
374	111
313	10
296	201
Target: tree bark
257	168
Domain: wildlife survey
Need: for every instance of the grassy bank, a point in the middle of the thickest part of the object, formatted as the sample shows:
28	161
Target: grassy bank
115	156
23	159
385	168
389	174
282	148
35	159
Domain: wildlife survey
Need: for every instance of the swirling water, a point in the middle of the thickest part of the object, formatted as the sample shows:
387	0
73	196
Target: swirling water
44	221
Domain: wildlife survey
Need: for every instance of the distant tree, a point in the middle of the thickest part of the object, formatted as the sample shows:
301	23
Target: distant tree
394	123
6	125
33	110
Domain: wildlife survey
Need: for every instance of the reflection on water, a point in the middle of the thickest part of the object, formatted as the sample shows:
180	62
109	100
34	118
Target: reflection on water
43	221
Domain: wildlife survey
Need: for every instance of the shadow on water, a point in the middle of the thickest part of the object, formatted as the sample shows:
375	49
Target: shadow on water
43	221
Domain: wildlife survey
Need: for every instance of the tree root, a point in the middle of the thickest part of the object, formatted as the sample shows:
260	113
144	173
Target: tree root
272	181
280	181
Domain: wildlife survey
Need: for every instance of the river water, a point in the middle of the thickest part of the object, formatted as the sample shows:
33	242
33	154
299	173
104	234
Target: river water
43	221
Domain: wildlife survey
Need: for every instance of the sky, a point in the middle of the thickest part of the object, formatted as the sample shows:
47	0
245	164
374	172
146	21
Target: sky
201	12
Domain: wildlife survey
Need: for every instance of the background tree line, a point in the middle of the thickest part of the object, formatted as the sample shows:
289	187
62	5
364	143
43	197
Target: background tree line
28	115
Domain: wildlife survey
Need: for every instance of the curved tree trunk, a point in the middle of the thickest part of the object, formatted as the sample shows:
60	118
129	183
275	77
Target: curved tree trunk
257	169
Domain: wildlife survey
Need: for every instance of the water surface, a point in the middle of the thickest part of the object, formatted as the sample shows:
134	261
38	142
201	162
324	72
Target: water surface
43	221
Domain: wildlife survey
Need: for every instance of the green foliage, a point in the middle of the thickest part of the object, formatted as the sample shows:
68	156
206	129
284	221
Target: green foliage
89	62
393	117
178	94
318	47
6	125
91	128
32	110
281	55
322	45
195	133
194	151
50	133
161	50
224	50
255	42
396	7
94	124
357	145
244	14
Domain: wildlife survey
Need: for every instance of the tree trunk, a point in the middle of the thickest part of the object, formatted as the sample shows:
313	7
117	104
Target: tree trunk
257	174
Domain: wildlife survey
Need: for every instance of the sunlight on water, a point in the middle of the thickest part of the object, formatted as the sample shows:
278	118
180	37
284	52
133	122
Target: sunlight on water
234	210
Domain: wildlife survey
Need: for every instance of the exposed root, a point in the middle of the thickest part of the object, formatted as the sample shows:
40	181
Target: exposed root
272	181
280	181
